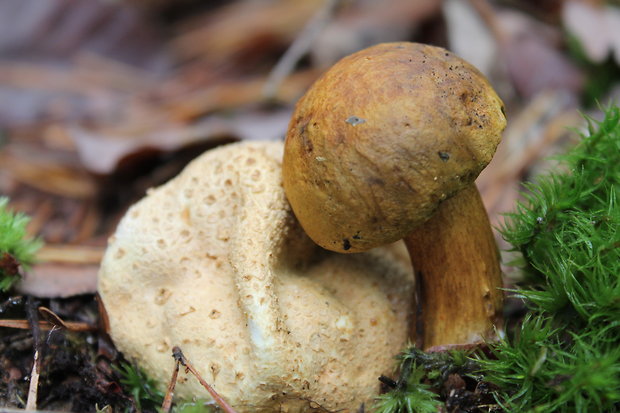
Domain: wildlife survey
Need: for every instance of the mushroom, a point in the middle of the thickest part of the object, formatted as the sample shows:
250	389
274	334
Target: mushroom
214	262
386	145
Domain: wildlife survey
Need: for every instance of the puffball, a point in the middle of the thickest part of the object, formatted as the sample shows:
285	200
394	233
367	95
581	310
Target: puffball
215	262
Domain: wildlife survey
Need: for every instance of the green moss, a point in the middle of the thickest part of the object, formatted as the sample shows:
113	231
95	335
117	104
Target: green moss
142	389
198	406
411	394
15	248
565	356
146	396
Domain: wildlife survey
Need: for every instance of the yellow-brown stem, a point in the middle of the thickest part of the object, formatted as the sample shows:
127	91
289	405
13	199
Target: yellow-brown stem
456	262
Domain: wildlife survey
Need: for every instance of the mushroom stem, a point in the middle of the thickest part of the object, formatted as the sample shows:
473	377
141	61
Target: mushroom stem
456	262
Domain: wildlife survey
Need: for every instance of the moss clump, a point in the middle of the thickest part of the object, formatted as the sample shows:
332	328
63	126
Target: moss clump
565	356
15	249
433	381
410	393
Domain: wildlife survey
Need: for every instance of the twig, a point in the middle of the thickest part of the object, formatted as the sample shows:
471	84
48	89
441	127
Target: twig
488	15
14	410
53	318
31	404
33	319
52	321
165	407
67	253
46	325
298	48
178	355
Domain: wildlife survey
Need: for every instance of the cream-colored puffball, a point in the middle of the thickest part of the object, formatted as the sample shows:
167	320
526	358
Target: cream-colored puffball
214	262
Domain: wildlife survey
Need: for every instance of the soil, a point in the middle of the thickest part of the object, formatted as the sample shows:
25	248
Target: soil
80	370
76	372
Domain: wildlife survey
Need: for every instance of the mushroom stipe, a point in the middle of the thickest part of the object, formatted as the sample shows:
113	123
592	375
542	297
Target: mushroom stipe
431	123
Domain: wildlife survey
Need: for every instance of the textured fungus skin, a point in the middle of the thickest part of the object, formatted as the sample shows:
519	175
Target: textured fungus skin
385	136
214	262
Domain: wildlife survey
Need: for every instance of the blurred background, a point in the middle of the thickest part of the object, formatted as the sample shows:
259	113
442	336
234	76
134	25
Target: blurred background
100	100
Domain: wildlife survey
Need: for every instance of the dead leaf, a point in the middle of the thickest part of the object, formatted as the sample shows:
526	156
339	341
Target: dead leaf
62	28
103	152
364	23
229	94
104	320
596	27
538	131
534	62
243	30
613	21
468	36
59	280
53	173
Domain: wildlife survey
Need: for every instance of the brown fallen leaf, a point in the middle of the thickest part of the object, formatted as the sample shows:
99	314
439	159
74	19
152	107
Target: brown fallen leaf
53	173
530	51
60	28
103	151
596	27
365	23
60	220
243	30
537	132
91	88
536	65
468	36
104	325
230	94
59	280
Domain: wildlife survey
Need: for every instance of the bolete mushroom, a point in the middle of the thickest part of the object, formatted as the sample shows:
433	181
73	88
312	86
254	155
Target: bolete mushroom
214	262
386	145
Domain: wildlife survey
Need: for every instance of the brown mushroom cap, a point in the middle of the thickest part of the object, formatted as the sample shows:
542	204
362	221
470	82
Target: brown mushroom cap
382	138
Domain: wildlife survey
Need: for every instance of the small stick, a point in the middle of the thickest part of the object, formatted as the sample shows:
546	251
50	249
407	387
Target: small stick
51	322
71	254
178	355
486	12
16	410
46	325
298	48
167	404
31	403
53	318
33	319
